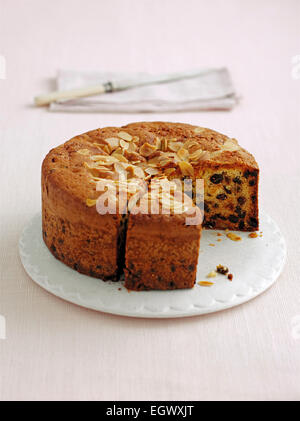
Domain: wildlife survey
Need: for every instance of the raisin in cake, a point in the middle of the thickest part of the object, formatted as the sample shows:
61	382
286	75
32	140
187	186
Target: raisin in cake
93	243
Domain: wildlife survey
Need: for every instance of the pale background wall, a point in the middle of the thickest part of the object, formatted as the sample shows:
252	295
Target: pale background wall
55	350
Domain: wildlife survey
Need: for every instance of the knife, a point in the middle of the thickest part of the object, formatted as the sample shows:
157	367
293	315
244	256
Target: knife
114	86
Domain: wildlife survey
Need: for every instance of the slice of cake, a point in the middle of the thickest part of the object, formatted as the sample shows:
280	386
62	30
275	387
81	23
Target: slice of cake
162	248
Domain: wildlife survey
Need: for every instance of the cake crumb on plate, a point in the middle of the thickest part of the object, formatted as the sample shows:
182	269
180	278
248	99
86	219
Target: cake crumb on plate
205	283
233	236
253	235
211	274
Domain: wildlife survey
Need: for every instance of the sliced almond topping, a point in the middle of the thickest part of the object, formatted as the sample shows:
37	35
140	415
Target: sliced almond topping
132	147
175	146
139	172
196	154
113	142
121	170
186	168
98	157
211	274
120	166
125	136
190	143
205	283
99	147
158	143
98	171
119	157
133	156
166	162
99	164
199	155
107	149
103	172
83	151
105	158
91	202
124	145
151	171
170	171
164	145
183	154
147	149
230	145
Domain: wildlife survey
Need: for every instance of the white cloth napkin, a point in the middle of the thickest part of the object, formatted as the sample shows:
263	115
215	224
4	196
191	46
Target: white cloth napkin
212	89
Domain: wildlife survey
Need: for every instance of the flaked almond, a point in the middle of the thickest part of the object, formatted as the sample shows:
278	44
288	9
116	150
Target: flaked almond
124	145
98	171
196	154
113	142
175	146
164	145
211	274
83	151
170	171
167	162
190	143
205	283
186	169
107	149
151	171
230	145
183	154
105	158
91	202
99	148
147	149
133	156
138	172
103	172
172	155
154	157
119	157
199	155
98	157
132	147
125	136
102	164
119	168
158	143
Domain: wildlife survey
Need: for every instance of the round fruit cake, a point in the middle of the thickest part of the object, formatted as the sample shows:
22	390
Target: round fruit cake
154	251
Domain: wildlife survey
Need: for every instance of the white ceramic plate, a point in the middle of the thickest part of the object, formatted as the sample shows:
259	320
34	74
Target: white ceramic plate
254	262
